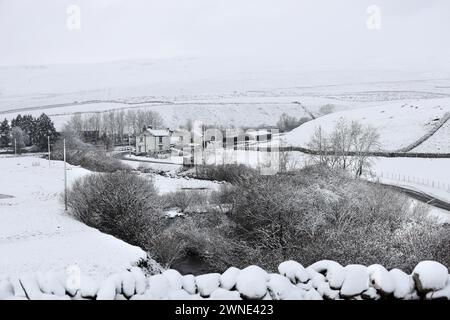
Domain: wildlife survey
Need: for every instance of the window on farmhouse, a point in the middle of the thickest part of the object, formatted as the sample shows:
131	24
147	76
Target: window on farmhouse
160	139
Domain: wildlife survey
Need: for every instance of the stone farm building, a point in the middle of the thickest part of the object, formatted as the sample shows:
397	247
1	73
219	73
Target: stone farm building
153	141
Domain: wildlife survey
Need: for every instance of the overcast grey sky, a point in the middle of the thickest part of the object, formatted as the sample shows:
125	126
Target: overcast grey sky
314	33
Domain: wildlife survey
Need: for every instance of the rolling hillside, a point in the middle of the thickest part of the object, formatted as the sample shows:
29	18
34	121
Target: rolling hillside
227	93
399	124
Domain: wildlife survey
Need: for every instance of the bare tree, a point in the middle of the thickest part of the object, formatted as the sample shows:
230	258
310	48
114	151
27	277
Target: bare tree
348	147
327	108
320	143
288	123
153	119
341	142
120	124
18	138
364	142
131	119
75	124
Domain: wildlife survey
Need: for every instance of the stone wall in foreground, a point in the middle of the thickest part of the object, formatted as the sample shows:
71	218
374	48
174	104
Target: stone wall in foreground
322	280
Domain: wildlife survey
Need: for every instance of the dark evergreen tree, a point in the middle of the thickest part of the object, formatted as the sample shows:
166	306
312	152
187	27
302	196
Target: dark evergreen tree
44	128
28	125
5	133
16	122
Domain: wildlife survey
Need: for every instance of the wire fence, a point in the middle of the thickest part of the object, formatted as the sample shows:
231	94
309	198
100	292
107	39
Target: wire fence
415	180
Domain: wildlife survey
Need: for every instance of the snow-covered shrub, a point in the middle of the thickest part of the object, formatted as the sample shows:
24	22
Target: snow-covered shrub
233	173
124	205
85	155
165	246
185	200
316	212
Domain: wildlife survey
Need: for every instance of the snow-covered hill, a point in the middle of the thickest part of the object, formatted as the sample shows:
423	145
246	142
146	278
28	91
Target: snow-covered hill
438	142
399	123
225	92
36	235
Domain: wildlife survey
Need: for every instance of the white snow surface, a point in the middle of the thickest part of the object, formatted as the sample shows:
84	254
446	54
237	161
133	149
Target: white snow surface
175	279
438	142
403	283
427	175
399	123
294	271
356	280
251	282
431	274
207	283
223	294
443	293
189	285
281	288
36	235
228	278
381	279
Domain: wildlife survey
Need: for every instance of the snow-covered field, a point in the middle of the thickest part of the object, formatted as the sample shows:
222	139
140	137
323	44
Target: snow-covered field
438	142
36	235
171	183
431	176
399	124
215	92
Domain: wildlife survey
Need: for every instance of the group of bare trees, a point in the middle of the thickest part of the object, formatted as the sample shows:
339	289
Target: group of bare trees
287	123
116	124
347	147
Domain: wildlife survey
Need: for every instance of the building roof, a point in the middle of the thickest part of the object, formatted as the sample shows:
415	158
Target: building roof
158	132
258	132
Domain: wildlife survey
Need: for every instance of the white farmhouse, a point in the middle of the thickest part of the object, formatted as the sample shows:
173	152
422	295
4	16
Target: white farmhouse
153	141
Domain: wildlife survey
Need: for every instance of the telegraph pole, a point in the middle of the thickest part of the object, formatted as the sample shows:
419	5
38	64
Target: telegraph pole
65	177
48	143
129	144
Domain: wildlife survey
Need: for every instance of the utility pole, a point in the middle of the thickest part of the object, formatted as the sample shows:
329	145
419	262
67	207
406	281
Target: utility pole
48	143
129	144
203	144
65	177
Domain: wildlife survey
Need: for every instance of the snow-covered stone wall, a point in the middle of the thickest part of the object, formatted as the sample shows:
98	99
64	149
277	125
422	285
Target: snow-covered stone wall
322	280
